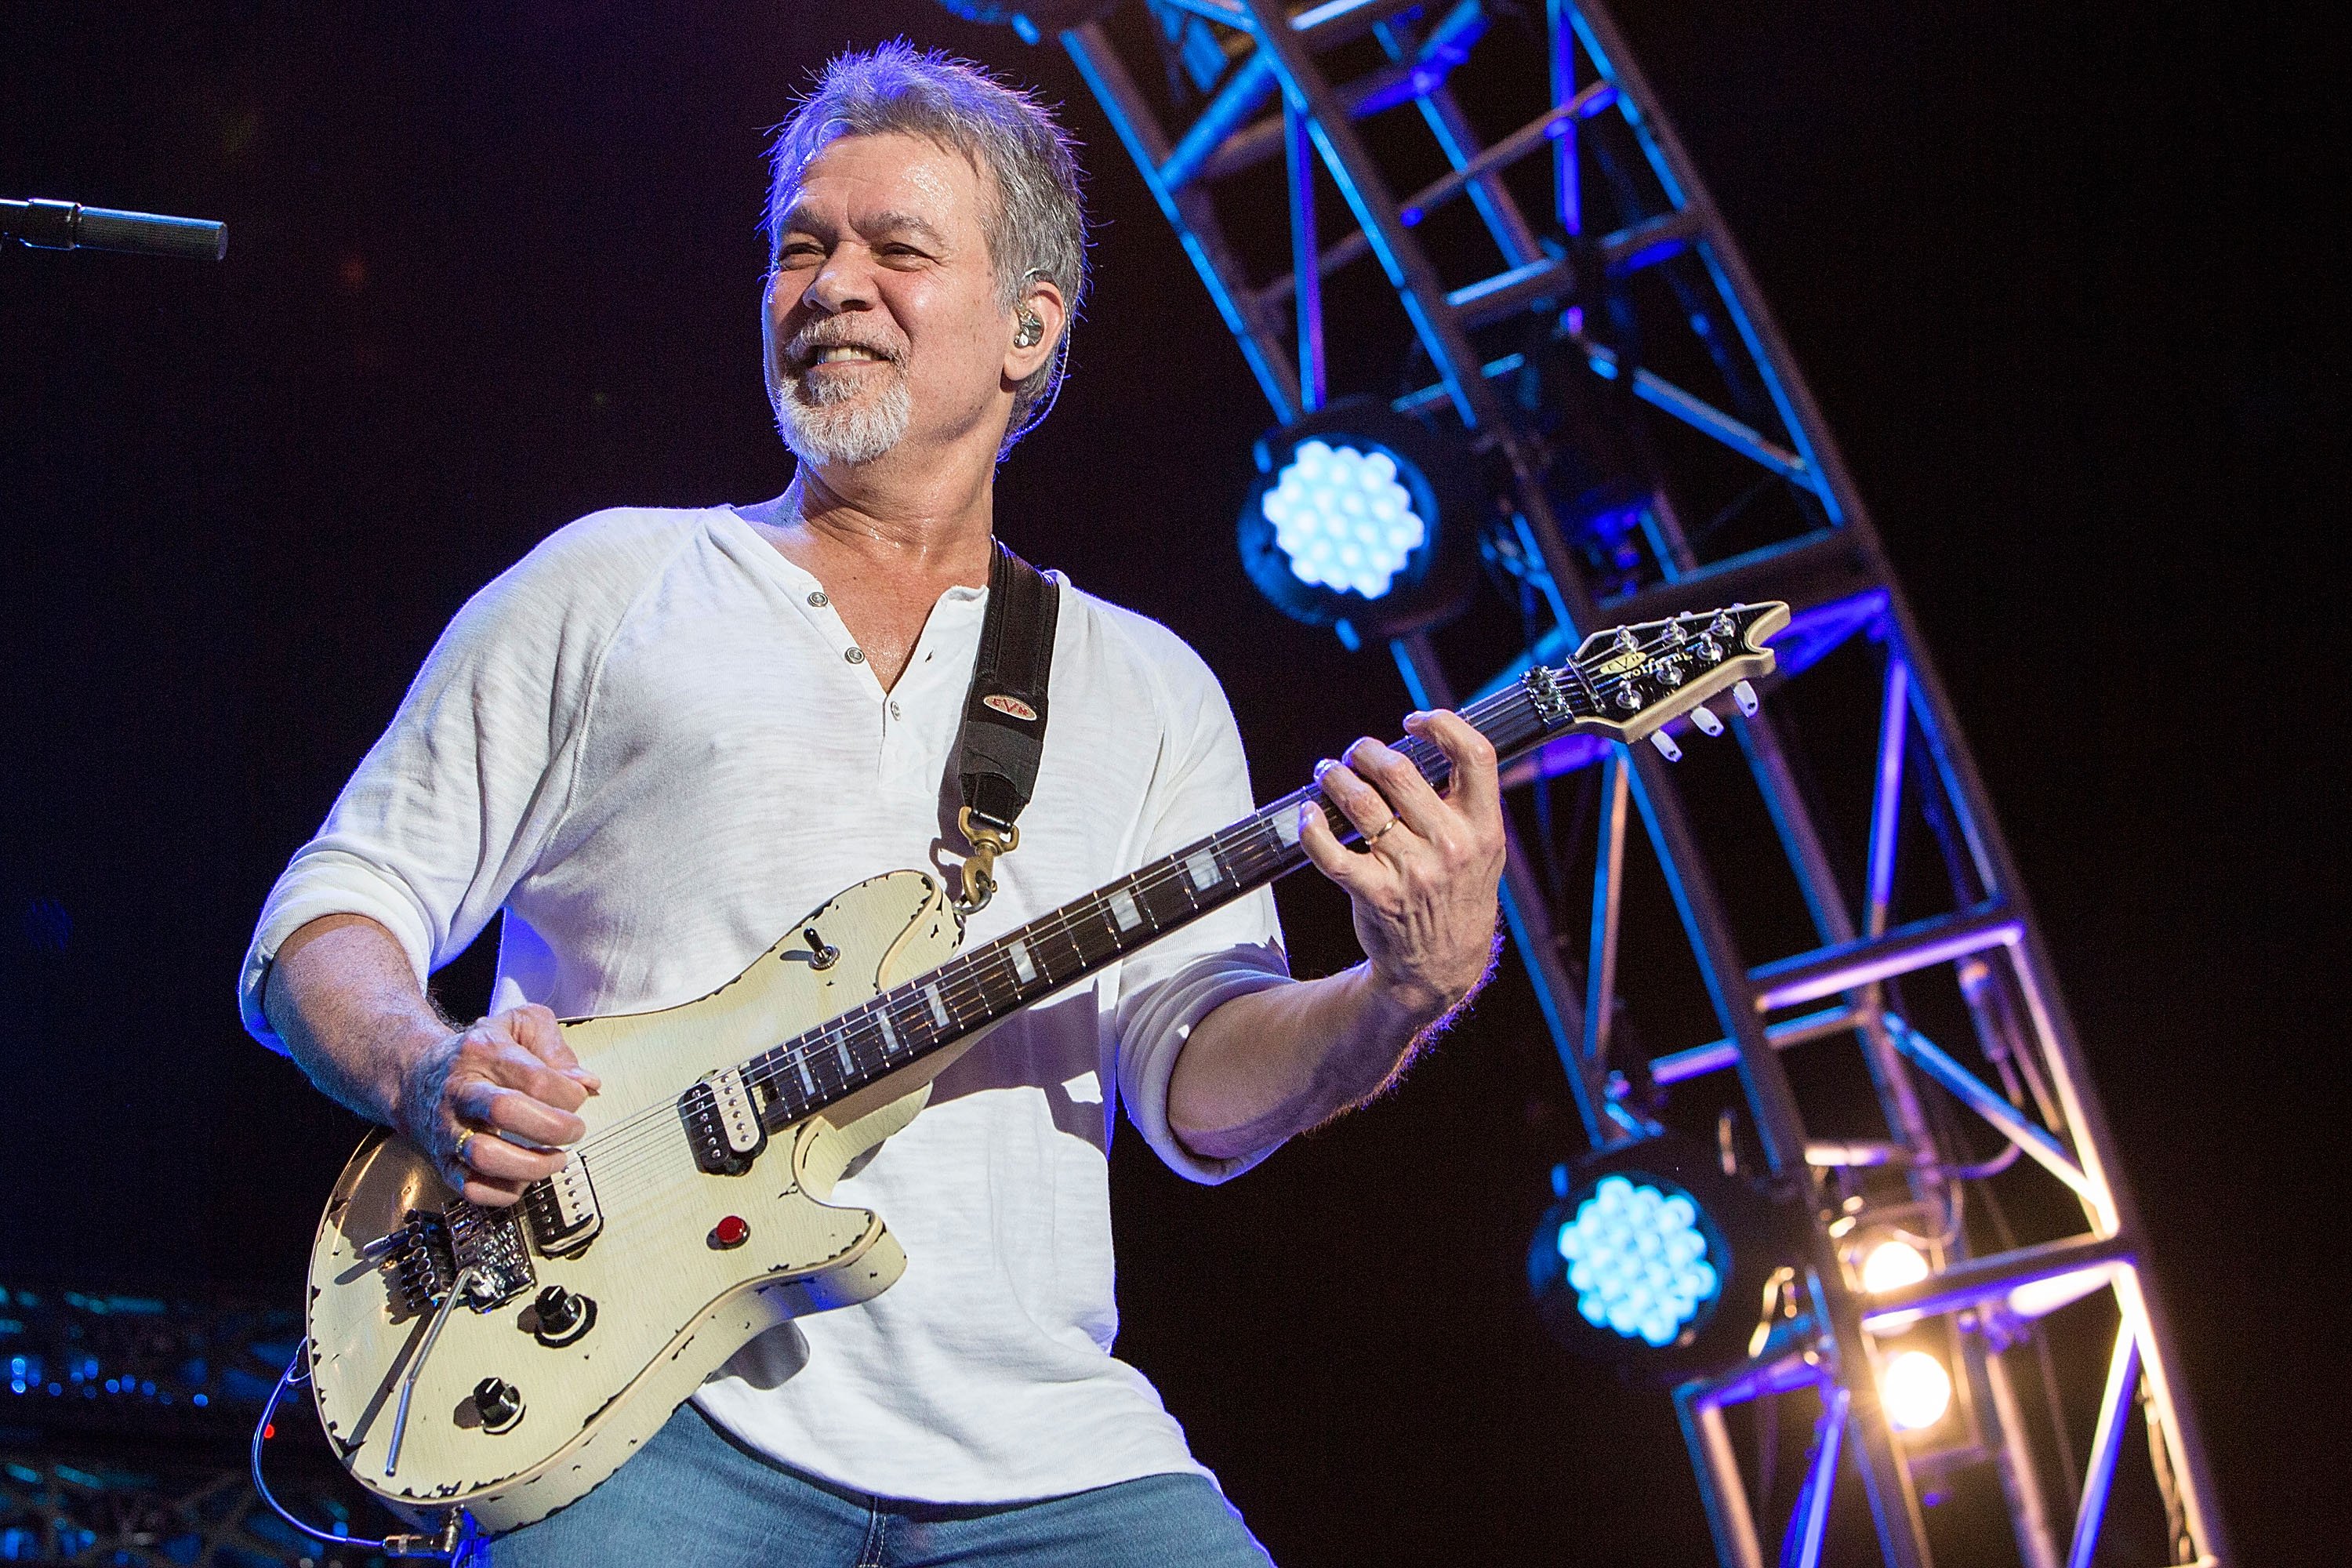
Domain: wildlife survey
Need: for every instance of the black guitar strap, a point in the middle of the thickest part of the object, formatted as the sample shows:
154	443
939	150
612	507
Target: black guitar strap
1004	712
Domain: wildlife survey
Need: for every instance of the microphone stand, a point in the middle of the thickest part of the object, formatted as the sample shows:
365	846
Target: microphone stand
69	226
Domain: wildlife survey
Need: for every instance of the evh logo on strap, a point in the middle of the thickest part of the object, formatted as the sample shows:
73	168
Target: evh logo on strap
1011	705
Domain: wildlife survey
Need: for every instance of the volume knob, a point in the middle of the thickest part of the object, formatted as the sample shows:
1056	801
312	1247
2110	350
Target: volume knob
561	1315
558	1309
500	1404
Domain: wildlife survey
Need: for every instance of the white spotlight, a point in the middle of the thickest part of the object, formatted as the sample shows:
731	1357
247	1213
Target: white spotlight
1916	1391
1890	1266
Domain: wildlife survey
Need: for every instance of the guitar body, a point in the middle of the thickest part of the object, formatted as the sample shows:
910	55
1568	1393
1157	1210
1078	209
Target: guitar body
671	1299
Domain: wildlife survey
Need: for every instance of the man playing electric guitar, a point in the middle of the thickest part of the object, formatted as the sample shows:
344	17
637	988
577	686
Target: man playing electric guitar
664	735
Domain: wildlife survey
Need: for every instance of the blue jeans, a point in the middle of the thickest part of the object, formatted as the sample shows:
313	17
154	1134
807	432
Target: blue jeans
692	1496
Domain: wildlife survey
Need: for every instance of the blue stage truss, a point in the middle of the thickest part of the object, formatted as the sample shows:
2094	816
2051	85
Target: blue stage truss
1566	288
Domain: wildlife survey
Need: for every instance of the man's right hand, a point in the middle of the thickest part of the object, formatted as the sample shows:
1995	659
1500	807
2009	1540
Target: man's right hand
492	1105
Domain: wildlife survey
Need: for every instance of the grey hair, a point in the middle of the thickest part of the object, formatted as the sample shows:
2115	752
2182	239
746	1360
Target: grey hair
1036	226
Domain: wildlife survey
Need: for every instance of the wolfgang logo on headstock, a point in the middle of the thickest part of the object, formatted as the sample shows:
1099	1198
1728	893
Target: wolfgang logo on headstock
1630	683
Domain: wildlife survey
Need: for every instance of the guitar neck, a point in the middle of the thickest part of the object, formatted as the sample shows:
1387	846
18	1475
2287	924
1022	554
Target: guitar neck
1057	950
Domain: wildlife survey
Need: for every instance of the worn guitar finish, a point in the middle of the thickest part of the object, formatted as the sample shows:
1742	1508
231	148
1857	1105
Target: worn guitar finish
507	1361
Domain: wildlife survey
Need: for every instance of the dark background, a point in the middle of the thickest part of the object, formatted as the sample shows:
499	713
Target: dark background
2062	278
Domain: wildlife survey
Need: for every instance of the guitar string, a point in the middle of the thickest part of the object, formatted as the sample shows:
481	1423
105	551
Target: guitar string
980	968
974	977
617	1163
614	1164
993	962
971	979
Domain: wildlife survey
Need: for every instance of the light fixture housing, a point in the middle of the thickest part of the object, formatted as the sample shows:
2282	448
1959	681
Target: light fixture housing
1651	1257
1363	520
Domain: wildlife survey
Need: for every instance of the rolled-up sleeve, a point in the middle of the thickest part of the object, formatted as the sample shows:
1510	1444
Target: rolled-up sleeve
1168	987
449	808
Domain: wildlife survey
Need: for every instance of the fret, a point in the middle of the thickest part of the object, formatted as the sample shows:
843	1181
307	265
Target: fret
988	974
1166	897
786	1094
1056	950
999	986
822	1070
1096	938
908	1023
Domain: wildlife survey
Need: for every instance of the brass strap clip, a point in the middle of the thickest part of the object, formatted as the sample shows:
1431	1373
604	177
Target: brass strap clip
988	841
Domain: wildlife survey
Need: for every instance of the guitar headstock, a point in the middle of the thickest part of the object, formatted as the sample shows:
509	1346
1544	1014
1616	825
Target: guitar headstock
1628	683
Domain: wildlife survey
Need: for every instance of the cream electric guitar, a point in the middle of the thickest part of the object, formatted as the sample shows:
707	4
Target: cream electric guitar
505	1360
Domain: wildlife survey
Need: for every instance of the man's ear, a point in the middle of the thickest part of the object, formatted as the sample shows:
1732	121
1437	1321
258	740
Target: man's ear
1026	352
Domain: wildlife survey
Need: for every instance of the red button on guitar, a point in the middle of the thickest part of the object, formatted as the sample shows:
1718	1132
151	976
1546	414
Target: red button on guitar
730	1232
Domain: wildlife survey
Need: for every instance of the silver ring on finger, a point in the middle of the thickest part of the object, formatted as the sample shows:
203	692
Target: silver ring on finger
465	1142
1373	839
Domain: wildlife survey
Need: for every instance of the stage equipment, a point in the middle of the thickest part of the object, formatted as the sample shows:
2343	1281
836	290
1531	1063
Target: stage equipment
1890	1265
1482	198
125	1419
69	226
1916	1390
504	1361
1653	1259
1360	519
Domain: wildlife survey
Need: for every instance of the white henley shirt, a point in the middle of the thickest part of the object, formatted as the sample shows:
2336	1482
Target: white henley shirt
653	744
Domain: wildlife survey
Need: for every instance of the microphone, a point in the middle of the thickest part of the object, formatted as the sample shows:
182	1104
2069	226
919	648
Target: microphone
67	225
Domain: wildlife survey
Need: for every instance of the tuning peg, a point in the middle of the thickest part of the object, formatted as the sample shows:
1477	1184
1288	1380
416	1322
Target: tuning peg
1709	724
1665	744
1745	695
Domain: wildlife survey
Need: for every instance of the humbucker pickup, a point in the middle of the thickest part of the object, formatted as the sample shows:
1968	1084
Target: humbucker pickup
722	1123
562	1210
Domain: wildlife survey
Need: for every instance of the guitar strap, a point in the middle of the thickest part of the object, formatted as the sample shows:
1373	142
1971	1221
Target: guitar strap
1003	734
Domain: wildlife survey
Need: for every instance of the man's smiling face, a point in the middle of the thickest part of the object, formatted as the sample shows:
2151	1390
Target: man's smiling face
883	318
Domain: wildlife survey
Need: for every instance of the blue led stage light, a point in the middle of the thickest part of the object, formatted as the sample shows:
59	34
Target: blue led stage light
1341	515
1638	1262
1363	520
1654	1259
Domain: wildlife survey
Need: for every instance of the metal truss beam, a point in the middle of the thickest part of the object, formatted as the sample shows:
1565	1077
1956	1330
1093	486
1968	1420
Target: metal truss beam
1619	221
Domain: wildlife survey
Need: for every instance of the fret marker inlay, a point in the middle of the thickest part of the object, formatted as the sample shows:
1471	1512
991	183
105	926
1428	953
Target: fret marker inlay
1122	908
1204	868
1021	967
938	1008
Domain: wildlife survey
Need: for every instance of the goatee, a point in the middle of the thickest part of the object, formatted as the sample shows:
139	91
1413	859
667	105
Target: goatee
832	419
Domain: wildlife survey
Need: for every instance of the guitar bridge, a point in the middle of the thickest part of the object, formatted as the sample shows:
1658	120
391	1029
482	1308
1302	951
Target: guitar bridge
432	1249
